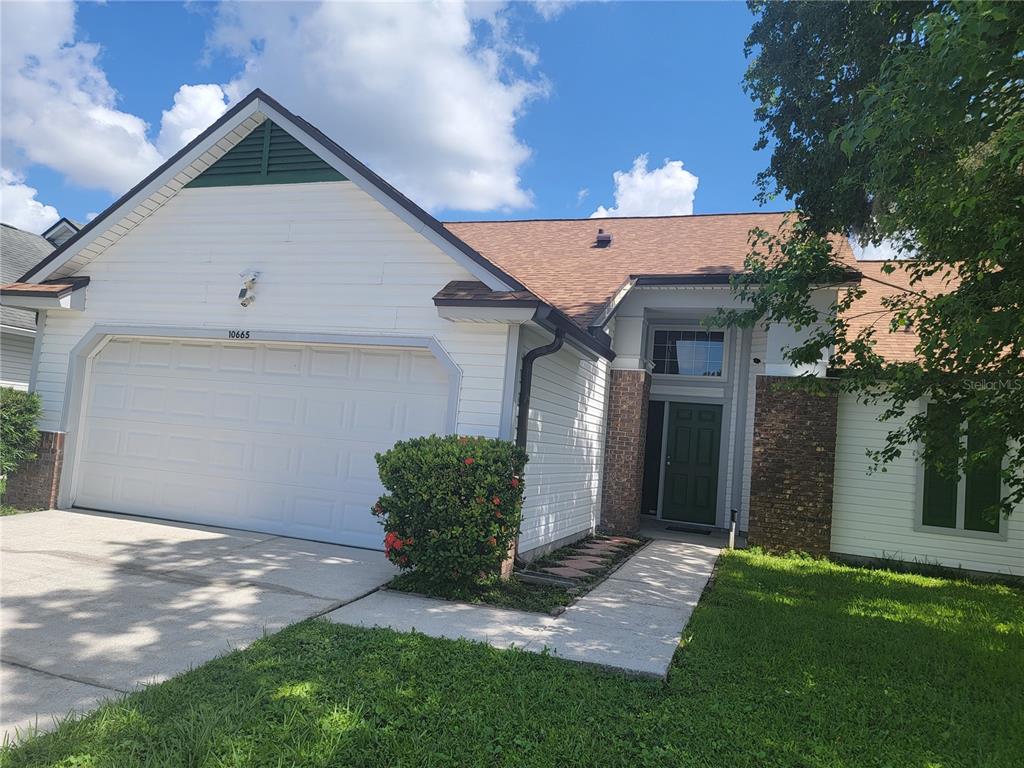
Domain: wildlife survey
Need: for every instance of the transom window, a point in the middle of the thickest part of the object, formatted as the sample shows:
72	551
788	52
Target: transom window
688	352
969	502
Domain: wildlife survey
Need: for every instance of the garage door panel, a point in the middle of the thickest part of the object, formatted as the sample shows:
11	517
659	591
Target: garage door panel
330	365
150	355
145	445
275	438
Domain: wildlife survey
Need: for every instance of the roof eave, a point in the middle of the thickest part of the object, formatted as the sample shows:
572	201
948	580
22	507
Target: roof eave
689	280
71	295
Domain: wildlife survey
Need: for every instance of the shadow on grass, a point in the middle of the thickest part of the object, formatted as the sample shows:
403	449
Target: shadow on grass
784	665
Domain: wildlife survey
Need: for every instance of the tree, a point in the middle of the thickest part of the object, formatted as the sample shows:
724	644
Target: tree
901	123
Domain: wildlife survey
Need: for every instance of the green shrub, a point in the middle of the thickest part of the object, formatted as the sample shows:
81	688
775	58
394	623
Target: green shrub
19	412
454	505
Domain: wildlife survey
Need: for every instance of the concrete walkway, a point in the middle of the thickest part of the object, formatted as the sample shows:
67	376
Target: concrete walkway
96	605
632	621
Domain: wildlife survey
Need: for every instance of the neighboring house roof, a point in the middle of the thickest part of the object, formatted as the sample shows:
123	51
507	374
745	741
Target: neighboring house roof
19	252
62	231
562	262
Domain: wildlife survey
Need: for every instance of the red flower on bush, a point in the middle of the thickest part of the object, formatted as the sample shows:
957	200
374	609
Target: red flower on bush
459	507
392	543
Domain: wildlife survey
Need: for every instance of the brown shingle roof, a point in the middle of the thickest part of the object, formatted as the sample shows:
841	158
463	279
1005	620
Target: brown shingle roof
463	291
57	288
897	346
560	262
36	289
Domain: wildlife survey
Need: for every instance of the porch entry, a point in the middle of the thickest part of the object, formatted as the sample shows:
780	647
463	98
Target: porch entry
687	474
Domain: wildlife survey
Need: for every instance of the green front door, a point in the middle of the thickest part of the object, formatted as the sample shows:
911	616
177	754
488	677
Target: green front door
691	463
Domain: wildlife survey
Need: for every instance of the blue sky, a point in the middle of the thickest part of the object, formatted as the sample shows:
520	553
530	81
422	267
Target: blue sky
479	111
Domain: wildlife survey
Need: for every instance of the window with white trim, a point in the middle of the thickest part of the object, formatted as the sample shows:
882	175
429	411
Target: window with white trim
969	502
688	352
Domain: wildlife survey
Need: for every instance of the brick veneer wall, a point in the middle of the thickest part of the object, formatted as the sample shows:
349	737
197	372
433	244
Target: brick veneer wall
793	466
624	450
34	484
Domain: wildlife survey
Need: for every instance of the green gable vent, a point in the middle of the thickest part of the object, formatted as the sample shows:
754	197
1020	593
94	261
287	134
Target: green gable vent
268	155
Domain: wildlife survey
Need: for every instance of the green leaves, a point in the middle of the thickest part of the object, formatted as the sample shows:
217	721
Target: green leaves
901	122
454	505
19	412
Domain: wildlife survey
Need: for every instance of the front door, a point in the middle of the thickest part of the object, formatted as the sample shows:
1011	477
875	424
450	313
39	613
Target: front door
691	463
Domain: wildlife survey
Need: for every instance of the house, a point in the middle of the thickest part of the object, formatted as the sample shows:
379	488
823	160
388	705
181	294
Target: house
232	340
19	252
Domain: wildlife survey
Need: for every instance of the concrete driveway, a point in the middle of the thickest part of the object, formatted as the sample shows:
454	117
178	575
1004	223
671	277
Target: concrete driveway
95	605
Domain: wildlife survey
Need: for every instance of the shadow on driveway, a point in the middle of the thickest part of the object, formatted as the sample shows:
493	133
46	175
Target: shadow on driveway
94	605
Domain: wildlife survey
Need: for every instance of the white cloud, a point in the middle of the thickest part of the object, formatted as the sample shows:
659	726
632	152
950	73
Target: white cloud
551	9
407	87
195	108
426	94
59	110
665	191
19	207
582	195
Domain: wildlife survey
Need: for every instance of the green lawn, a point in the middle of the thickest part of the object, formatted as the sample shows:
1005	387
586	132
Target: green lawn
788	662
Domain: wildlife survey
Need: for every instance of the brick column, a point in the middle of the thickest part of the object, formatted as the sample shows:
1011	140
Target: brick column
793	466
624	450
34	484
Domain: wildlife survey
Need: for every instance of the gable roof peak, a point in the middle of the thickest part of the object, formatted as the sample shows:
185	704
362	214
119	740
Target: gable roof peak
208	146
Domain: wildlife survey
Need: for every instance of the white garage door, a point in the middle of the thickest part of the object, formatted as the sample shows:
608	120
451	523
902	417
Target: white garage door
264	437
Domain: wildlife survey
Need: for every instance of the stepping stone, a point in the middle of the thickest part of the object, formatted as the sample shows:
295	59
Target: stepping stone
599	550
581	565
620	540
566	572
587	559
593	554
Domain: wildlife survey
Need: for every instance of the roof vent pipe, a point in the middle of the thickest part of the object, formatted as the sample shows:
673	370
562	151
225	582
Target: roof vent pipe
604	239
526	383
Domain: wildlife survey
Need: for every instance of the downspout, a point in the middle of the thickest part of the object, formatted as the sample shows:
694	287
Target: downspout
526	383
523	417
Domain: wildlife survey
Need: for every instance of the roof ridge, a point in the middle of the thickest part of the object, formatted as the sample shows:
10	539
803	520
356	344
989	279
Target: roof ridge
619	218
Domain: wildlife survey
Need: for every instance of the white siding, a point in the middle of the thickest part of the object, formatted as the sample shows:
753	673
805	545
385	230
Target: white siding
15	360
873	515
331	260
758	344
565	444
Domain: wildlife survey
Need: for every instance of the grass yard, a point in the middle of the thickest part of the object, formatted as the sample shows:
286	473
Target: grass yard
788	662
